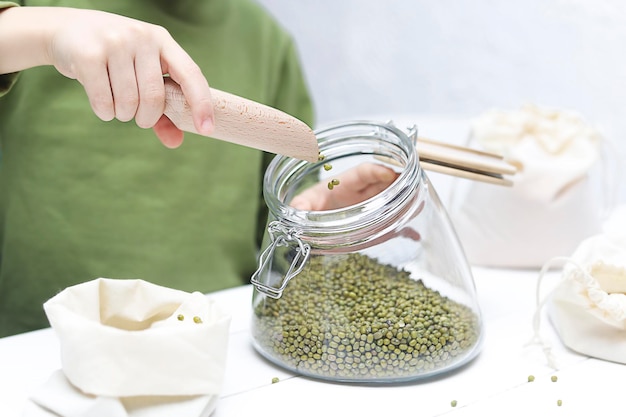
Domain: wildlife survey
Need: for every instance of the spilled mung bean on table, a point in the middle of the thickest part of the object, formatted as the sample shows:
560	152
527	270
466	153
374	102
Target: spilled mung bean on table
351	317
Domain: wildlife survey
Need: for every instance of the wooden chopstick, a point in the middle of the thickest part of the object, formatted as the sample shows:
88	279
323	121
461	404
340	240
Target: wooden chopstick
461	162
467	174
462	157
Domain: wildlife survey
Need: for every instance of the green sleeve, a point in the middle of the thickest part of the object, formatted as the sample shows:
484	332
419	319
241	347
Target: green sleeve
7	80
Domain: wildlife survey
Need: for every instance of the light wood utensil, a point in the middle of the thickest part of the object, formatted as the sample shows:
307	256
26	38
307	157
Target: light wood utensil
246	122
464	162
461	161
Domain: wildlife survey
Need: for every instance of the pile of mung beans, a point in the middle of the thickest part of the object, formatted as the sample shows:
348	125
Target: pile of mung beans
349	317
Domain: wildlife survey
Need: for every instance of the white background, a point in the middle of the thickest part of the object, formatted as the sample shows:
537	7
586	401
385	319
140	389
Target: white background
366	58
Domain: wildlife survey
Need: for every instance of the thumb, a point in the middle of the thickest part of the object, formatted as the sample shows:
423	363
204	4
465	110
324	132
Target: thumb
169	135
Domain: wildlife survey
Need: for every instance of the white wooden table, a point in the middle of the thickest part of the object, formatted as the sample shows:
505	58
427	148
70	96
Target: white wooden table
493	384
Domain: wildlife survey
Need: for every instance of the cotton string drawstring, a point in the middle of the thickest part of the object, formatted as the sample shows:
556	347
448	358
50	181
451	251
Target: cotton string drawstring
537	338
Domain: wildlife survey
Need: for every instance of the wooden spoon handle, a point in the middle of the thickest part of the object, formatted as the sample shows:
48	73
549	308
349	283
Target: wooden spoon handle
246	122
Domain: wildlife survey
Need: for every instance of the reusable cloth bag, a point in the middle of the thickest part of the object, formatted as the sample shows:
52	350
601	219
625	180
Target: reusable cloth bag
130	348
552	204
587	307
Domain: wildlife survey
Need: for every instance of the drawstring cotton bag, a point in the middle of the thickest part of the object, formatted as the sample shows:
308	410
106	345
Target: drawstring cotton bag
553	203
587	307
130	348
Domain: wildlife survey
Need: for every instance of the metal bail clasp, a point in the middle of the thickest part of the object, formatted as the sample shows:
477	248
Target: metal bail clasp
281	236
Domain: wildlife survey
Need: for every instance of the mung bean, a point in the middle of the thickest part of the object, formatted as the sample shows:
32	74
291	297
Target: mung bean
370	321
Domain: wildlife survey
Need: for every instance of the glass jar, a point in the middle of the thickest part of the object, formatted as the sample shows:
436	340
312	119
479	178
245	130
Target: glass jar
375	291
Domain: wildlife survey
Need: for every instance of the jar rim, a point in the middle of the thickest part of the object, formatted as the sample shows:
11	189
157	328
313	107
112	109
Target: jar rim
369	217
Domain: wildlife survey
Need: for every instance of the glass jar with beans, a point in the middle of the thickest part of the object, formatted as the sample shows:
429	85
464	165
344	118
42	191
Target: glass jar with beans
359	284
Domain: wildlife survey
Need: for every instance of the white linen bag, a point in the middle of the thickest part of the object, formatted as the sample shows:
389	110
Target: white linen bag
130	348
587	307
553	203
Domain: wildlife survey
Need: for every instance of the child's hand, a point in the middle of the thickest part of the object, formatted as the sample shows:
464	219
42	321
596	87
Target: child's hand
119	61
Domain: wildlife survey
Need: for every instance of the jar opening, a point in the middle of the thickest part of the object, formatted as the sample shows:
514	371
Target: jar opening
356	153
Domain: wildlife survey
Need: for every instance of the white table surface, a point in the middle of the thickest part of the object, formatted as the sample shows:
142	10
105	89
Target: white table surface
493	384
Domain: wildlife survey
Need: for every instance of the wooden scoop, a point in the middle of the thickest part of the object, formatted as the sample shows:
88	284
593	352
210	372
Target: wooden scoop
246	122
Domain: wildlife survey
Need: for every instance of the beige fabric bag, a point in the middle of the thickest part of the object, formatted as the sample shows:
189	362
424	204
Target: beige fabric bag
556	200
130	348
587	307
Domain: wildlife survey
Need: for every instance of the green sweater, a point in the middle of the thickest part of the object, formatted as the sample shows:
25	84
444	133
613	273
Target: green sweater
81	198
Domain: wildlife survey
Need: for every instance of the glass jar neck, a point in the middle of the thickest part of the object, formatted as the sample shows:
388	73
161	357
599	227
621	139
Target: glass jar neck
358	224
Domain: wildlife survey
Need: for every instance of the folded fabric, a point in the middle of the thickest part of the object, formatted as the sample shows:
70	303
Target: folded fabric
57	397
554	148
128	346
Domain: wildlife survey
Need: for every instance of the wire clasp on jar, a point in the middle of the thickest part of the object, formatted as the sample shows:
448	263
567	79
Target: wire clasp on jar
281	236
